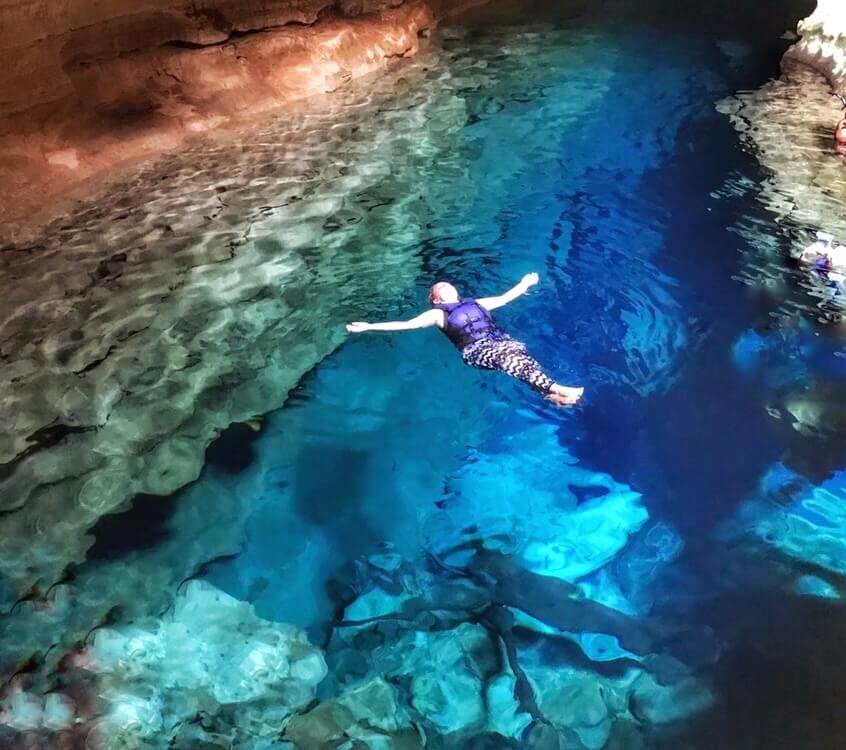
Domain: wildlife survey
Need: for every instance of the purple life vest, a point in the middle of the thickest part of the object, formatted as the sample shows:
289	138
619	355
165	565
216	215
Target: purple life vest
468	322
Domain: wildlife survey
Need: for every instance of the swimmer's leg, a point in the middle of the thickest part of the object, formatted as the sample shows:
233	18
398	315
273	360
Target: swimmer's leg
510	356
521	365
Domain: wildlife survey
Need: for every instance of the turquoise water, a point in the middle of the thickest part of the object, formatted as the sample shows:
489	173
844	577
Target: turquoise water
398	551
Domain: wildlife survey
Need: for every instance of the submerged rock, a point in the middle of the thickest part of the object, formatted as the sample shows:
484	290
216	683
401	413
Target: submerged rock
561	606
808	526
658	704
369	713
450	703
591	710
820	412
574	522
210	655
447	671
577	704
504	712
457	684
510	678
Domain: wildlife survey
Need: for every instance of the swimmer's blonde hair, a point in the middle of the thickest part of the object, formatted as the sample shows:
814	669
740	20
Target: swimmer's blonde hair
433	290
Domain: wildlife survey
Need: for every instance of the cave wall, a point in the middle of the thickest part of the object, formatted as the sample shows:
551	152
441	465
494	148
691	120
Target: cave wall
85	86
46	43
823	42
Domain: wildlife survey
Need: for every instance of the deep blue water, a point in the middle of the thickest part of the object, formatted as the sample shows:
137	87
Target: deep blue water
614	206
678	509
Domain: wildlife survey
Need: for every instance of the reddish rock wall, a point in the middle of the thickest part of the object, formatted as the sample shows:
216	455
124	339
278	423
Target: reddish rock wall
85	86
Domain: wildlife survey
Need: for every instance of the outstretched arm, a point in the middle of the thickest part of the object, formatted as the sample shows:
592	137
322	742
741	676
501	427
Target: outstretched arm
519	289
424	320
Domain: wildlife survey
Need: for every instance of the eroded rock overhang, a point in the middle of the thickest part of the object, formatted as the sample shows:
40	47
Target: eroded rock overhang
822	43
84	87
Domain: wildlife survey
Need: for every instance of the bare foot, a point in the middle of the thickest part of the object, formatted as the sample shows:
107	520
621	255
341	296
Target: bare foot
563	395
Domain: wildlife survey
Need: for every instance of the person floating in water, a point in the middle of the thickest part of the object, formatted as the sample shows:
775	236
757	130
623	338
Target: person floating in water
819	251
840	128
468	323
824	259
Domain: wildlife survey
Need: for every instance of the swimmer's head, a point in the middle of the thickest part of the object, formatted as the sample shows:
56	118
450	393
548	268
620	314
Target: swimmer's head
443	293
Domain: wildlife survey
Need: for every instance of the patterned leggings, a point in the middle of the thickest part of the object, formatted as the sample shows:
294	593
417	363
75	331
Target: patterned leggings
509	356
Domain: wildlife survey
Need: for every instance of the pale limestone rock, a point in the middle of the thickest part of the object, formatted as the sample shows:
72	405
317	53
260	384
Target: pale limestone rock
153	680
822	42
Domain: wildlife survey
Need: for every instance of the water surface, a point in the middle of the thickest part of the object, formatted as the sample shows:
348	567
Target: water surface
660	567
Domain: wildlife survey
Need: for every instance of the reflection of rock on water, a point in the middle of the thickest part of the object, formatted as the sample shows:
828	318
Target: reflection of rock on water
798	519
788	124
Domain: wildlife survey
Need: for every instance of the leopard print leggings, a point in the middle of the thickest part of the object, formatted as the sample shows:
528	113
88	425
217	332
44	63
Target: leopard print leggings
509	356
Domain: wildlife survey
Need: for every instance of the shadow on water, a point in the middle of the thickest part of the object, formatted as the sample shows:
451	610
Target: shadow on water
328	482
329	489
781	686
701	446
233	450
143	526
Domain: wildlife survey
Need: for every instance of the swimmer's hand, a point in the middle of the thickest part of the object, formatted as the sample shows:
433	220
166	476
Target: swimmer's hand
518	290
529	280
358	327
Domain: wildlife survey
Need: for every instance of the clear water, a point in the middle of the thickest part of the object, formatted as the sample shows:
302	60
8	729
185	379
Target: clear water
660	567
